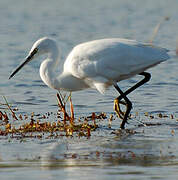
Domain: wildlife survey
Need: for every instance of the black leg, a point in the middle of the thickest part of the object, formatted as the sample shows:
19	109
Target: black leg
127	102
147	77
118	100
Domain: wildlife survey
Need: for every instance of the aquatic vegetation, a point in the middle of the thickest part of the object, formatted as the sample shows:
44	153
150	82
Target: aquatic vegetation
38	126
64	124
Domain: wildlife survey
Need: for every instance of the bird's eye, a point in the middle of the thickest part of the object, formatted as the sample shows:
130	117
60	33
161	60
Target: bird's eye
35	50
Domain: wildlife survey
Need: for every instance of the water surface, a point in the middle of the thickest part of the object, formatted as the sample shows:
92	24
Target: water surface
151	153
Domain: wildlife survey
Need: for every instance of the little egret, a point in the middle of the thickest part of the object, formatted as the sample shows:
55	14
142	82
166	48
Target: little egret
97	64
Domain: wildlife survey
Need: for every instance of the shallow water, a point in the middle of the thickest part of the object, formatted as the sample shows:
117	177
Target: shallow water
151	153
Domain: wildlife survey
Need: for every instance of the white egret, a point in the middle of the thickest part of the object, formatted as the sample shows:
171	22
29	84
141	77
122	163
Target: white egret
97	64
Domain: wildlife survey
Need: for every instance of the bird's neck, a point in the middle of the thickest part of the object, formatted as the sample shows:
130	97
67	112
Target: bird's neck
48	67
63	81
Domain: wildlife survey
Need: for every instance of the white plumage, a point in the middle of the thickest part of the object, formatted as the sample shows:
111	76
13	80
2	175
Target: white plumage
101	63
96	64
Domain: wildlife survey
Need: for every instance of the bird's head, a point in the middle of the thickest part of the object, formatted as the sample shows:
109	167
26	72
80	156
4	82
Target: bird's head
41	46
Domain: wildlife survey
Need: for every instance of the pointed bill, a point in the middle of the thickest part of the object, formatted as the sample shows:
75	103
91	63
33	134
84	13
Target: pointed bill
29	58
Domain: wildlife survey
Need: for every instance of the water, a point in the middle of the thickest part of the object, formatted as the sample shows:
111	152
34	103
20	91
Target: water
151	153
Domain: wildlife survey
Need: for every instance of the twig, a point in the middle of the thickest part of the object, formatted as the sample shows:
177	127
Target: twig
13	114
155	31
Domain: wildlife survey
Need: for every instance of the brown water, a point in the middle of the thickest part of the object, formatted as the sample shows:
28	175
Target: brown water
151	153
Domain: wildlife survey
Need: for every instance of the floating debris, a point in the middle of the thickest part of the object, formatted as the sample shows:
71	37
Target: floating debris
173	132
160	115
62	123
110	121
172	116
37	126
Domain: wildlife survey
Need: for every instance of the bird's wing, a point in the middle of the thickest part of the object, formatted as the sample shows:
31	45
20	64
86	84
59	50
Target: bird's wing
107	60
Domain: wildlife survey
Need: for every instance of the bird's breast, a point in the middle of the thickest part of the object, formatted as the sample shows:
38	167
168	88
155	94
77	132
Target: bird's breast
68	82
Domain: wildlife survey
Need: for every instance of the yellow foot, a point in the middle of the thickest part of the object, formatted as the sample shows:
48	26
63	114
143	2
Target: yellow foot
117	108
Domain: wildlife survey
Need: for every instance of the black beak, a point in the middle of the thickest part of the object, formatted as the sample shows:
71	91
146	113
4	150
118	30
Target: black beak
29	58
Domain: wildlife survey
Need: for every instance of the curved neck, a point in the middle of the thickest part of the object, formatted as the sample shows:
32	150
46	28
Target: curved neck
53	55
48	66
64	81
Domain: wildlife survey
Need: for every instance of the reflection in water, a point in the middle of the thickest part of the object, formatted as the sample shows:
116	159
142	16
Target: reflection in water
111	151
110	156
